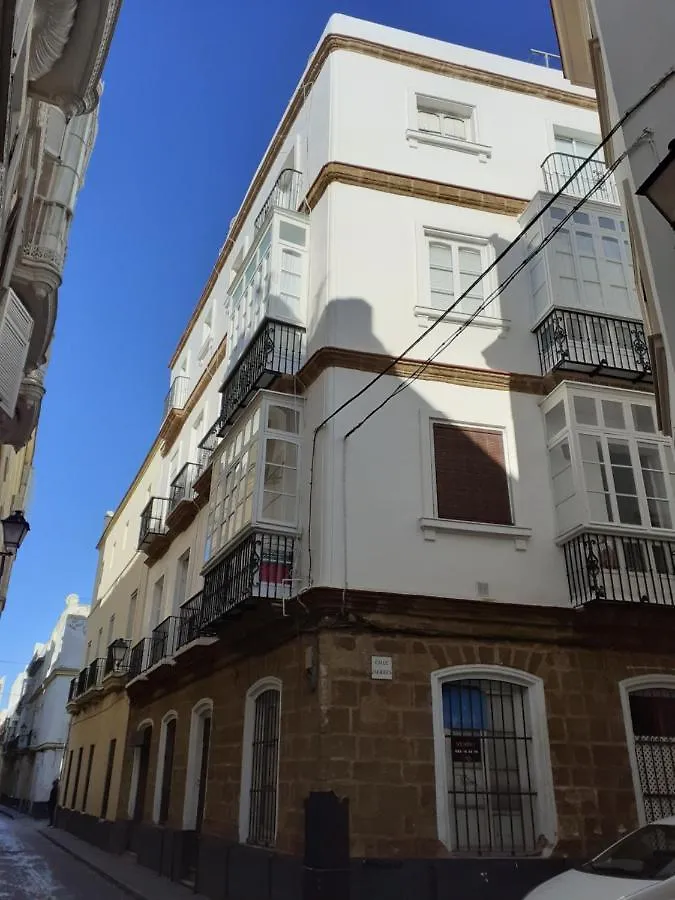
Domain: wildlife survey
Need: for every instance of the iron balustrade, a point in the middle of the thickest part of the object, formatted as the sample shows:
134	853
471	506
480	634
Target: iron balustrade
275	349
208	444
620	569
137	658
110	664
182	485
72	690
177	395
153	521
594	344
260	566
162	640
81	682
191	616
559	167
262	819
286	194
94	673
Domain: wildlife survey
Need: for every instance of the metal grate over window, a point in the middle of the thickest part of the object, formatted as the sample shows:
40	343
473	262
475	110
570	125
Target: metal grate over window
489	757
264	766
653	719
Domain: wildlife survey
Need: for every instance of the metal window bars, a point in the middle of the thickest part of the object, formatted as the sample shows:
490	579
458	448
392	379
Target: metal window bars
275	349
94	673
262	820
163	640
138	657
208	444
286	194
153	521
182	485
189	627
177	395
653	725
558	168
594	344
492	791
620	569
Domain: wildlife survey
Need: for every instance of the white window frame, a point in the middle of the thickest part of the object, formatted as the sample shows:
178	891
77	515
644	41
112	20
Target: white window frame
626	688
546	819
429	522
417	136
491	316
170	716
269	682
201	710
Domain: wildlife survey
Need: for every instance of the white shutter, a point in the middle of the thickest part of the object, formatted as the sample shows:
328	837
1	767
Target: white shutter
16	326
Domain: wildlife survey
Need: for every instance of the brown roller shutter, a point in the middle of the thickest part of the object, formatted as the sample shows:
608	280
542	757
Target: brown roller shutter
471	481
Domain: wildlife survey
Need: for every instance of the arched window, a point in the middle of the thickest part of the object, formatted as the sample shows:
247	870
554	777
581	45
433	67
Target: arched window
197	765
164	773
493	772
260	763
139	770
648	703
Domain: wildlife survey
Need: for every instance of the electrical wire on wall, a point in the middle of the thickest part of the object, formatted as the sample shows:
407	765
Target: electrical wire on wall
498	259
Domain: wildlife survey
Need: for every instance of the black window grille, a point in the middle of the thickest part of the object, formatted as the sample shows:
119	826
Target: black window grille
652	713
77	777
167	770
492	792
64	796
262	822
108	778
87	778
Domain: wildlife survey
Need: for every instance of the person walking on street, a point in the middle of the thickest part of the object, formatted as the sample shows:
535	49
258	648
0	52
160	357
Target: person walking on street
53	800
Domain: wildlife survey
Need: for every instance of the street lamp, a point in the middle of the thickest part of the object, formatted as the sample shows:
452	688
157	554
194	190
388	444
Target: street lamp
659	187
14	530
118	651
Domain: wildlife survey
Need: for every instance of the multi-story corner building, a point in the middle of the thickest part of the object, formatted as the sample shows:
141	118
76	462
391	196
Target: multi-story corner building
623	50
451	608
51	60
35	729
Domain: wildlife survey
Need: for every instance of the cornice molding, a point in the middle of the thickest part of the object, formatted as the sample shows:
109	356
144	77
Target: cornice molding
331	44
405	185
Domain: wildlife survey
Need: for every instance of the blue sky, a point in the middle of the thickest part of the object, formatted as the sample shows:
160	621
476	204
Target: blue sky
190	103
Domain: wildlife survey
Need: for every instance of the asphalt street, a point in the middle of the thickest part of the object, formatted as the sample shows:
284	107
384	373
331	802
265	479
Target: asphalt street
32	868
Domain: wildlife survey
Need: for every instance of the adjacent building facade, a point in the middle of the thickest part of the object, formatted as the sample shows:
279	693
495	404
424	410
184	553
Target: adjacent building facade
51	60
624	52
35	729
437	582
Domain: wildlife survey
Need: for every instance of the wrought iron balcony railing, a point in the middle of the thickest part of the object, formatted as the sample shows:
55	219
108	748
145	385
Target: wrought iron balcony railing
191	616
558	168
72	689
138	658
586	342
275	349
182	485
260	566
178	394
95	673
153	521
208	444
112	662
82	682
614	568
286	194
163	640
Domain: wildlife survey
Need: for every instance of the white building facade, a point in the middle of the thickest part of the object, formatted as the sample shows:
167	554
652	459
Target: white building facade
35	730
410	600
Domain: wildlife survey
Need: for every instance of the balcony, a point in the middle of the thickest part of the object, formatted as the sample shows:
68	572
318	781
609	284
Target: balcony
152	538
183	504
81	682
95	673
593	344
163	641
207	446
138	658
558	168
275	349
258	567
286	194
191	615
72	689
178	394
607	568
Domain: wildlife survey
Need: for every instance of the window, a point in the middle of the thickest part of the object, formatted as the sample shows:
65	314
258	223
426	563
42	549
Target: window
167	742
648	703
436	122
131	617
207	328
471	480
87	779
197	765
64	795
454	265
246	489
260	765
108	779
156	609
78	769
99	641
111	630
493	774
182	569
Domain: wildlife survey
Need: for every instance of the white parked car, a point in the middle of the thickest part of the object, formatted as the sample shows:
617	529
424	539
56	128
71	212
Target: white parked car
640	865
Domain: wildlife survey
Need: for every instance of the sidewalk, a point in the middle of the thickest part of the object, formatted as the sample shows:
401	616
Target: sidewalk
135	880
